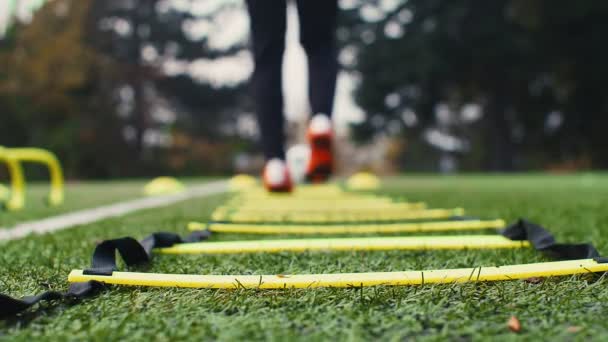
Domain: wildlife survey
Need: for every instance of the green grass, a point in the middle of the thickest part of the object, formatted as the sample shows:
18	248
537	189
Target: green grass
570	308
77	196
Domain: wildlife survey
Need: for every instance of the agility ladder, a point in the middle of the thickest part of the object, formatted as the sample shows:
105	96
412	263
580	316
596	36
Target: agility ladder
103	271
521	234
584	258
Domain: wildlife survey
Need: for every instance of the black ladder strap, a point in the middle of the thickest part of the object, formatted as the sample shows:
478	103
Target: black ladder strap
542	240
10	306
133	253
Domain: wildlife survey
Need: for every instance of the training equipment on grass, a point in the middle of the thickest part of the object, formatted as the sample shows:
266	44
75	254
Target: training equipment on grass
363	181
329	207
337	217
163	186
584	258
411	243
14	157
437	226
320	205
16	198
349	280
357	208
11	306
324	204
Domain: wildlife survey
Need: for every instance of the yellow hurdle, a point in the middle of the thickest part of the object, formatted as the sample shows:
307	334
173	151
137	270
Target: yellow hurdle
437	226
412	243
347	280
36	155
16	200
14	157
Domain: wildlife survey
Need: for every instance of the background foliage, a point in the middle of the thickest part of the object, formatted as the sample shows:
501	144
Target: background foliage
463	84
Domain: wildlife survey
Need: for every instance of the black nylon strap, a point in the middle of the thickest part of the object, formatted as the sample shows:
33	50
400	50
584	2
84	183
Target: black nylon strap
543	241
134	252
10	306
103	263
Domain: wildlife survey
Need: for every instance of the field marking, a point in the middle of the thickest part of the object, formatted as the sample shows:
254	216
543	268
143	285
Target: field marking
87	216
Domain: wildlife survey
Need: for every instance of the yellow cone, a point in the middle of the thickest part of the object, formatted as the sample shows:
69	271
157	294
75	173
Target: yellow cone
242	182
363	181
163	186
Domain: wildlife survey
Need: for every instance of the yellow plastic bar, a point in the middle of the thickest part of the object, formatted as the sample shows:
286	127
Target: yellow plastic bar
375	216
346	244
16	201
330	208
47	158
347	280
287	198
439	226
282	198
334	203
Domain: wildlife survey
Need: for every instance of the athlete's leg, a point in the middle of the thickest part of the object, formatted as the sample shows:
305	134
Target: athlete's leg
268	22
317	36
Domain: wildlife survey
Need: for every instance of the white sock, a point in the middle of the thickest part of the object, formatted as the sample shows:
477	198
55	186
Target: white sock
275	171
320	124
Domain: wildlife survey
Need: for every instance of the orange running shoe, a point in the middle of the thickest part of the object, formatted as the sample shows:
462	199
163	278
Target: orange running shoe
320	137
276	176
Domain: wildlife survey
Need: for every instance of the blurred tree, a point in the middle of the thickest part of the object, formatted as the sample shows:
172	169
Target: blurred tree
145	36
96	82
494	78
570	36
50	90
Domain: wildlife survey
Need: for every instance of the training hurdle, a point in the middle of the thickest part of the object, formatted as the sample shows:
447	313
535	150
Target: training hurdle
14	157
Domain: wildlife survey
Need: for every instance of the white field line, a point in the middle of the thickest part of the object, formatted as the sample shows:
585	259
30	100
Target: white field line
87	216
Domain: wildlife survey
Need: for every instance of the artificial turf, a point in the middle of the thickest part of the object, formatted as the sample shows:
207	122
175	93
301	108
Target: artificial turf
573	207
78	195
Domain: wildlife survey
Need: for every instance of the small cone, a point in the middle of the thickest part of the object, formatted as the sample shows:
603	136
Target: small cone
242	182
163	186
363	181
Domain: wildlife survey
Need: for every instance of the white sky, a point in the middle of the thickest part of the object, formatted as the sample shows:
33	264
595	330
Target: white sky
23	11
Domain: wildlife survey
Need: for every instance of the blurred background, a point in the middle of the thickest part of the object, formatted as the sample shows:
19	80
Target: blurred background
124	88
